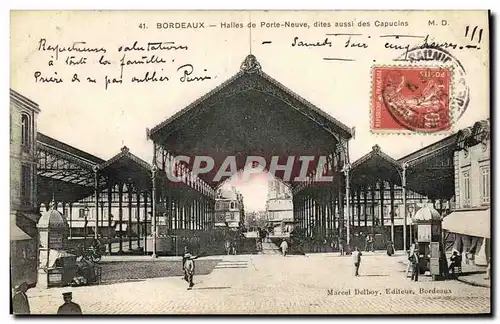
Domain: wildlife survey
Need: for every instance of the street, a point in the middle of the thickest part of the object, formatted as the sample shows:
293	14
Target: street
273	284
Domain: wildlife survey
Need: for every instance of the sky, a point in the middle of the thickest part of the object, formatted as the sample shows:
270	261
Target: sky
254	189
101	121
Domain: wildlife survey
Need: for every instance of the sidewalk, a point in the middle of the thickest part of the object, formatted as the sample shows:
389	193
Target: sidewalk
471	274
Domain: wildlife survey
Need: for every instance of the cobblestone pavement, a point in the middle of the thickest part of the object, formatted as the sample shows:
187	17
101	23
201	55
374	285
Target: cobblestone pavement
264	284
120	271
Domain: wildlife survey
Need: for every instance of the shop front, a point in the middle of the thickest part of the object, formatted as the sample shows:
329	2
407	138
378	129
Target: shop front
472	233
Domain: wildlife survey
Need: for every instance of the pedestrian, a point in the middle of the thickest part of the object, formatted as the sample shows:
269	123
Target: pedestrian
189	268
356	257
233	245
371	243
367	242
414	259
284	247
455	262
390	248
184	258
20	304
341	245
69	308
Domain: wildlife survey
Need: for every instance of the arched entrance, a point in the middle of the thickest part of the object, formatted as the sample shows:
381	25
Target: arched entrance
252	119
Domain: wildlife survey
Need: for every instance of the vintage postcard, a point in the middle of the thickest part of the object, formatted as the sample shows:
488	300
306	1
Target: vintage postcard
250	162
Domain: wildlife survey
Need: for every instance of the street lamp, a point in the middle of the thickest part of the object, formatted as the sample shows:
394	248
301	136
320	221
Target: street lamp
154	170
345	170
85	213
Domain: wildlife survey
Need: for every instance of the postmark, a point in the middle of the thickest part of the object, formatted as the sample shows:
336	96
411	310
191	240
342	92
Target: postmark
414	98
435	56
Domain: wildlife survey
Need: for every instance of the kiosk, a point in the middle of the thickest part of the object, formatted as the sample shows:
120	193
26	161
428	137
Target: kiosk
432	258
53	230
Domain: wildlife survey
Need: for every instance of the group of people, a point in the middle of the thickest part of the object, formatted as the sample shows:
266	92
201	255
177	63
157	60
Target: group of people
20	303
230	247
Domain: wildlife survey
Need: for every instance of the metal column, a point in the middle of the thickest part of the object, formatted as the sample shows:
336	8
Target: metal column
96	197
120	216
403	182
154	169
347	198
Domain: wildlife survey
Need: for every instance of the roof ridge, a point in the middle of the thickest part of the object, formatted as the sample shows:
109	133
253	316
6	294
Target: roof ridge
125	152
251	70
195	103
306	102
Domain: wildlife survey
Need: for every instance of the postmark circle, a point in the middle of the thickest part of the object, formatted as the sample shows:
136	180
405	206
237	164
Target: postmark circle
435	57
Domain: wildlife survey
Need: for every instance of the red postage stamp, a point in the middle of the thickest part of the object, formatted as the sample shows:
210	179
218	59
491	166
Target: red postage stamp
413	99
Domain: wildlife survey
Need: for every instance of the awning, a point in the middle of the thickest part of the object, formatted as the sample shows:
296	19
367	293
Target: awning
17	234
469	222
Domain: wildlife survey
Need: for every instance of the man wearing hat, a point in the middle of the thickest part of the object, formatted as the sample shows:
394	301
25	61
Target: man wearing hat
189	269
20	304
69	308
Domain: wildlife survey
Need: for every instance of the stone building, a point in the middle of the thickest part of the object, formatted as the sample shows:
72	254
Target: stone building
470	219
229	209
279	207
23	188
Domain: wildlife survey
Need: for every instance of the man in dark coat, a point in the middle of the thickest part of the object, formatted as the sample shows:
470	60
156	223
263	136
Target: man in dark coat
189	268
20	304
69	308
184	258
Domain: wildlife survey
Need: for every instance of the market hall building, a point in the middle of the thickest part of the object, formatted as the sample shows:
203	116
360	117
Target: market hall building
117	198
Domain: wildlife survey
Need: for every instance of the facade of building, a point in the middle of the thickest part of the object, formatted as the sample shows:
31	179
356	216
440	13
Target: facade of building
473	192
229	209
23	192
279	207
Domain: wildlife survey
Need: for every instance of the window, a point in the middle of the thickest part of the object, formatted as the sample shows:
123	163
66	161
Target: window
26	185
466	187
25	132
232	205
485	183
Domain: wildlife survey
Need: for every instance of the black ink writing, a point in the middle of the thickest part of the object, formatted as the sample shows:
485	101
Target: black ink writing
187	71
165	46
75	47
42	79
103	61
134	47
297	42
150	77
108	81
427	44
349	43
72	60
153	59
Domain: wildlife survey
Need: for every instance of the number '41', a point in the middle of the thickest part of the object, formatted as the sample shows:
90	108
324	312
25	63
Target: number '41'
142	26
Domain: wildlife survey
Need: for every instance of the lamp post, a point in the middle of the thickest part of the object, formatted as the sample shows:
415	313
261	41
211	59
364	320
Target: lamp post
96	202
85	211
154	169
403	184
411	211
346	169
